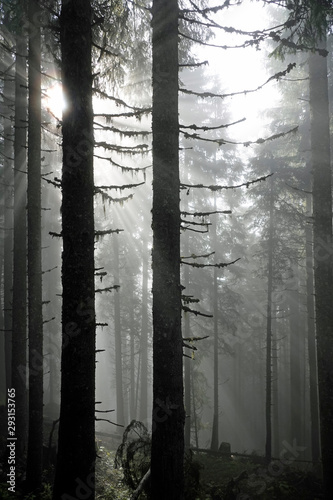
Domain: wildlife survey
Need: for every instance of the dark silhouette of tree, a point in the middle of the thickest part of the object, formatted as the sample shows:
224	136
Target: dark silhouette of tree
168	408
322	244
19	328
75	467
35	314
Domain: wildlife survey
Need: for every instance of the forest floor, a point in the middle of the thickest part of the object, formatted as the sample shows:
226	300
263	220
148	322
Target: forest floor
208	477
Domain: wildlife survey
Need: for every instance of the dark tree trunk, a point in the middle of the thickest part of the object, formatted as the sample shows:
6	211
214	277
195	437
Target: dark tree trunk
118	339
296	362
322	249
215	430
168	408
19	328
8	182
268	446
275	389
35	434
144	338
311	339
75	469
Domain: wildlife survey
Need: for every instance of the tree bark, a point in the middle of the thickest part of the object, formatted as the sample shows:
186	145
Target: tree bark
322	247
296	360
168	409
215	430
19	328
118	339
311	339
268	446
144	338
35	314
8	181
75	469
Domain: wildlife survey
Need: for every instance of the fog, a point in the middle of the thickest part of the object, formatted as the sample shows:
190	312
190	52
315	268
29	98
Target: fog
247	254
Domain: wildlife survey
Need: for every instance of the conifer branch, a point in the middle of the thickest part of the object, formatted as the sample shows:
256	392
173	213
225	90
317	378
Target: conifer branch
221	141
137	114
206	128
193	256
107	289
218	265
205	214
110	199
119	102
107	231
197	313
126	133
219	188
125	186
132	150
277	76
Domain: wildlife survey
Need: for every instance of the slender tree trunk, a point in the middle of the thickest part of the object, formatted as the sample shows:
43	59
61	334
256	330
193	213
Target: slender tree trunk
167	453
268	448
132	412
215	430
194	410
118	339
322	248
75	469
35	435
275	390
144	338
296	351
19	328
311	339
187	363
8	181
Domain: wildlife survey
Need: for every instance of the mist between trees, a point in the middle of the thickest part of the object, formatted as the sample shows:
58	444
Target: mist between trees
166	249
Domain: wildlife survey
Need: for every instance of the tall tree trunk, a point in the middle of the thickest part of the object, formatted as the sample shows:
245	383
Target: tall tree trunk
132	411
322	245
268	446
19	328
187	363
311	339
167	452
35	435
8	181
144	338
275	389
118	339
215	430
296	360
75	469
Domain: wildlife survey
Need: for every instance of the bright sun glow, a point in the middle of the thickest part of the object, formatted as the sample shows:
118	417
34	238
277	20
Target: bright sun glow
54	100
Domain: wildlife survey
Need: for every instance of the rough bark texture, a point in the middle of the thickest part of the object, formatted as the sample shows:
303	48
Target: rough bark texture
35	434
118	340
19	329
311	338
76	449
168	408
215	429
8	180
144	338
322	249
